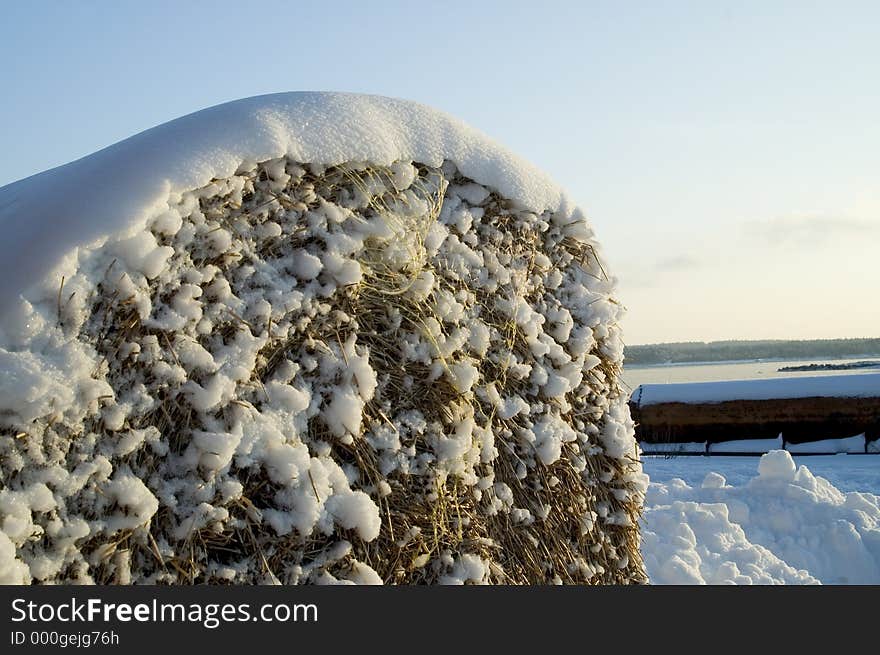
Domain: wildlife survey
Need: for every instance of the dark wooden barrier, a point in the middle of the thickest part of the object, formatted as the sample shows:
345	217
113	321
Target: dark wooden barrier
798	419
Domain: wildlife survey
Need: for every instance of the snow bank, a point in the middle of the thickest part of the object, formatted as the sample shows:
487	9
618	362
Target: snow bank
309	338
852	445
864	385
683	448
849	445
784	526
746	446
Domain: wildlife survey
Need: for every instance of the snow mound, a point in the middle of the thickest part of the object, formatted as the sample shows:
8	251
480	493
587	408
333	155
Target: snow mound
785	526
46	216
310	338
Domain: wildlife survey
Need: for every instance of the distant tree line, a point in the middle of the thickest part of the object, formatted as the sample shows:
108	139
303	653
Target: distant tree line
719	351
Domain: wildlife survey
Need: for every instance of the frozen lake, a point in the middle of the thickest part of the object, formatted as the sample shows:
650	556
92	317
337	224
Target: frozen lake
633	376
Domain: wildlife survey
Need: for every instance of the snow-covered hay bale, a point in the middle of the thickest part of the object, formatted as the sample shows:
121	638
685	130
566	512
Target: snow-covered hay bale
309	338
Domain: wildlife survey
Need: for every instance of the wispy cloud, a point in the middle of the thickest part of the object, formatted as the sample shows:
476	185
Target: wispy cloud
813	229
677	263
648	274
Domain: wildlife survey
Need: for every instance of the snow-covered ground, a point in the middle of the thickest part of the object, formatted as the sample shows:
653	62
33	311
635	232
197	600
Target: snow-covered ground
774	519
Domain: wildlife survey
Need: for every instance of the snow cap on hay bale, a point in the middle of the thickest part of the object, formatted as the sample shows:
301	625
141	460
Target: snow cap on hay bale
309	337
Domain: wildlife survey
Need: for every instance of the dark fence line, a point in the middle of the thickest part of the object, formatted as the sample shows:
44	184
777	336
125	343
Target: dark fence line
798	420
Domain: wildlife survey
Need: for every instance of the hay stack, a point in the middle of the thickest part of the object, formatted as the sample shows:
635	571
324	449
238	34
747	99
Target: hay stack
304	372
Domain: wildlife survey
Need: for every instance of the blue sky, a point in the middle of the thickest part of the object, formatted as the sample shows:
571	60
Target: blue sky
728	153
